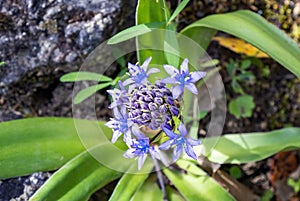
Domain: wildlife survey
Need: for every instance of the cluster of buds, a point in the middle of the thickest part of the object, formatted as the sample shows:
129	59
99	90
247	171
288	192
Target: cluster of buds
143	112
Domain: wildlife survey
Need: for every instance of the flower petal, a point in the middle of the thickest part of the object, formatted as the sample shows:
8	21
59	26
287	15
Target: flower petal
129	153
193	142
136	131
153	70
182	129
115	136
190	152
171	70
111	123
184	67
170	133
191	87
113	105
169	80
195	76
132	68
177	91
155	153
166	145
146	64
177	152
127	137
117	113
128	81
141	161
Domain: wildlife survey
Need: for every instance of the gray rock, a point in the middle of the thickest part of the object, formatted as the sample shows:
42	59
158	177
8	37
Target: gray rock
40	40
52	34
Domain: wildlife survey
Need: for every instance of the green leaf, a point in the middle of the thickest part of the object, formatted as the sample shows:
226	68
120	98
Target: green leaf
244	148
253	29
89	91
179	8
245	64
202	114
171	47
129	184
231	67
201	35
235	172
173	195
134	31
295	184
2	63
149	191
267	196
151	11
82	76
197	187
237	88
77	179
42	144
242	106
246	76
152	43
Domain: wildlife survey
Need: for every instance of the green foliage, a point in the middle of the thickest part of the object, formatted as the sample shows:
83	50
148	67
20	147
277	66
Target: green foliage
179	8
197	186
243	24
244	148
134	31
235	172
89	91
88	76
41	144
83	76
77	179
242	106
295	184
239	72
2	63
149	191
129	184
267	196
145	15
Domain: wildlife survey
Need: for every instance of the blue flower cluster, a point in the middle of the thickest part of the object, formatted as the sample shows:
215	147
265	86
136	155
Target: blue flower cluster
143	110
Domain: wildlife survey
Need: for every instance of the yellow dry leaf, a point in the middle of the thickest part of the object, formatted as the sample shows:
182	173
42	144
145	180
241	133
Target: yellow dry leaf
239	46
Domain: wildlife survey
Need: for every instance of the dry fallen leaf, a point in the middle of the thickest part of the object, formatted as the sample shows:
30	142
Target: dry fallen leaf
239	46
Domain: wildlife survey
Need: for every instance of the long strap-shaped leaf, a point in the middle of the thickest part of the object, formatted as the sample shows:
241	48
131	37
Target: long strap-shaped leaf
243	148
41	144
252	28
194	187
77	179
129	184
149	12
149	191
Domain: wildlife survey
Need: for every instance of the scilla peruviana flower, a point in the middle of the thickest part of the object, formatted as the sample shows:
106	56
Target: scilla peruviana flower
144	112
182	78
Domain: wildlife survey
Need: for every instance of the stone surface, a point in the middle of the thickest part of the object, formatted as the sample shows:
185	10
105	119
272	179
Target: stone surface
50	35
40	40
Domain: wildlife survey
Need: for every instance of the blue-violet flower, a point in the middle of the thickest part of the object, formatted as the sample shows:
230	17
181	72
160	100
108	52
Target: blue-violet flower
138	74
144	112
182	78
180	141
